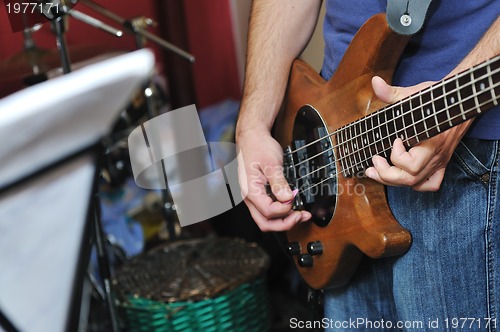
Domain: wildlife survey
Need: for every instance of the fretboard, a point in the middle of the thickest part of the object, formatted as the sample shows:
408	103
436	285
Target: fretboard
419	116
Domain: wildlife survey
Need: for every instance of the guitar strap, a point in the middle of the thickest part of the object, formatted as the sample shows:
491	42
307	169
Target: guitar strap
406	17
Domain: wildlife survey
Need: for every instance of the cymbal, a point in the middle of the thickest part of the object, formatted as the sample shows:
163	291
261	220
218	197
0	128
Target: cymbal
32	65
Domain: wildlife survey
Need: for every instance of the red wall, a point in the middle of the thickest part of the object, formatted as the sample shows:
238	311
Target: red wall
209	31
79	33
211	40
83	40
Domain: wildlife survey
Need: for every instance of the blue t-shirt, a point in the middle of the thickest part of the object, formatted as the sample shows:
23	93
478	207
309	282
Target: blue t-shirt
451	30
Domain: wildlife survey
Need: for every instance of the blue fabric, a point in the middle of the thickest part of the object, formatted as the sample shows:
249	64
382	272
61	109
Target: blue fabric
451	30
452	269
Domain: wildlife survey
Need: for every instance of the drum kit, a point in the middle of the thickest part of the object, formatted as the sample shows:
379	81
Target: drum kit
34	65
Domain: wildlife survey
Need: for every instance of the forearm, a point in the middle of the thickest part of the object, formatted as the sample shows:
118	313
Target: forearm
486	48
279	30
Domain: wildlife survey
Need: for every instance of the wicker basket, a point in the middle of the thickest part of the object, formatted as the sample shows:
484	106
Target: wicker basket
196	285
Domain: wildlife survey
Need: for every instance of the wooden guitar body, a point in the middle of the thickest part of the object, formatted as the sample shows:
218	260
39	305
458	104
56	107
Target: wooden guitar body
361	221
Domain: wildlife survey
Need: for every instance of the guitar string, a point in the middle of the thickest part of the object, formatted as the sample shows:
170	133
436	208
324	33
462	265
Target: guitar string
361	163
381	125
413	96
349	155
456	90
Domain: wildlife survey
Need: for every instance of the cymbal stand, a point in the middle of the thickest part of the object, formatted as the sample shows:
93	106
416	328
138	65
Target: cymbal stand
59	28
57	14
138	29
137	26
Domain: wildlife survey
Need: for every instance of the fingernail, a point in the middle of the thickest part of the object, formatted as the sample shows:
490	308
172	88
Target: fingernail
370	173
306	216
294	193
286	190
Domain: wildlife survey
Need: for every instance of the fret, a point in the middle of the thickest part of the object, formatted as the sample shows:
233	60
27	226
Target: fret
388	133
424	120
431	120
391	127
346	151
342	151
355	146
448	101
482	86
439	105
398	124
494	67
387	140
454	105
459	100
364	130
408	122
358	145
364	140
417	118
381	134
394	119
476	101
490	80
413	121
431	101
352	155
382	128
446	107
347	157
466	93
400	115
374	134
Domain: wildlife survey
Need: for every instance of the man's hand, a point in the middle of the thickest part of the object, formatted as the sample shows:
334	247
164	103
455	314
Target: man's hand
261	162
423	166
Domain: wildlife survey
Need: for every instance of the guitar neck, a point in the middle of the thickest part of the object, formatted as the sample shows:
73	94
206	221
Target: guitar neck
420	116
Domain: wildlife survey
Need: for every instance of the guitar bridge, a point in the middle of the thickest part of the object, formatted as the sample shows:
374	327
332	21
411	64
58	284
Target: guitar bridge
310	166
289	171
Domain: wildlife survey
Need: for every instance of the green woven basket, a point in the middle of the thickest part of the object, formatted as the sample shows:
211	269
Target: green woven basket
196	285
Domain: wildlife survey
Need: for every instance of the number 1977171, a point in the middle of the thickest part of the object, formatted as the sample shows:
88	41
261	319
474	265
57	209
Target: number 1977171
31	8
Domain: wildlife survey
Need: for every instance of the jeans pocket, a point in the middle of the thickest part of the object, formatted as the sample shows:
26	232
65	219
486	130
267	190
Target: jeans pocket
476	157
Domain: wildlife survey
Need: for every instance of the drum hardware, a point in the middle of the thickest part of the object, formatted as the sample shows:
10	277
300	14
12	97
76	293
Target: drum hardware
57	14
137	26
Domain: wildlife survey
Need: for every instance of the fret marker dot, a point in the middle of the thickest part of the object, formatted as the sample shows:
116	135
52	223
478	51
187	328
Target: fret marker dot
377	135
355	146
452	100
402	137
482	86
428	111
397	112
365	141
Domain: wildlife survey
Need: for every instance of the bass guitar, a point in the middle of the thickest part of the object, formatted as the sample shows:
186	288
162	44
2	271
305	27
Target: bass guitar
331	130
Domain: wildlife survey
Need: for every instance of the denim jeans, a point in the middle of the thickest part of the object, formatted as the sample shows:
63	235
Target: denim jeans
449	280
